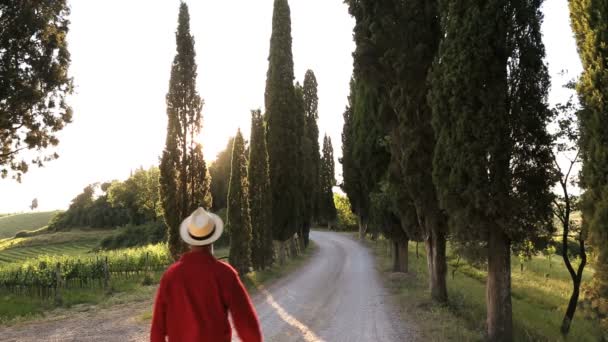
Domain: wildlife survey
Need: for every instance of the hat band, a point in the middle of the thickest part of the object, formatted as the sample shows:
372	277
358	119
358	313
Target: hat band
202	237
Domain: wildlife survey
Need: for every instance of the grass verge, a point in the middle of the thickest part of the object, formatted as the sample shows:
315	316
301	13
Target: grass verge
540	295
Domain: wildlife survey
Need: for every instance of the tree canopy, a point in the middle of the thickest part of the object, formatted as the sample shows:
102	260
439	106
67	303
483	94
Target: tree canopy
34	82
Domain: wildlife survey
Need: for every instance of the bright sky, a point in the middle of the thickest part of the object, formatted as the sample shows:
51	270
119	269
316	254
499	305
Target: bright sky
121	57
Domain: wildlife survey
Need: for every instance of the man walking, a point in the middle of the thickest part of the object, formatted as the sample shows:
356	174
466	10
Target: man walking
197	292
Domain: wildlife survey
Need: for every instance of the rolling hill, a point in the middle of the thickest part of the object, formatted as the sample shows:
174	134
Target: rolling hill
11	224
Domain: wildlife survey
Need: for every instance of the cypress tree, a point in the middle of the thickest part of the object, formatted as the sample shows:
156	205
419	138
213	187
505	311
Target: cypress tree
304	163
200	180
328	181
281	118
492	162
220	176
183	173
591	32
311	107
259	195
239	221
351	182
396	44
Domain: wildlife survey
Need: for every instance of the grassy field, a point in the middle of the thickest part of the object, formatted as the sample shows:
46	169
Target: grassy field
540	296
13	223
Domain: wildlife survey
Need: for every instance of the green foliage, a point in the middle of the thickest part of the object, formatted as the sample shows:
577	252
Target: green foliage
135	236
346	219
34	82
365	153
134	201
259	195
184	181
281	121
492	161
220	176
351	184
591	32
327	208
138	195
11	224
239	220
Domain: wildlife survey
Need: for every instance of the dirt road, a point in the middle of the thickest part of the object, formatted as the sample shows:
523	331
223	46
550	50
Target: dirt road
336	296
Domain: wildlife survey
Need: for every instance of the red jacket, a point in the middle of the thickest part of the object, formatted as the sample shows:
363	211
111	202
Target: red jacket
194	298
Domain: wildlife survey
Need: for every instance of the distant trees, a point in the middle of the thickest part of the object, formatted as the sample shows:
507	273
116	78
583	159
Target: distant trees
220	176
34	82
138	195
183	174
589	25
281	127
327	208
492	160
134	201
34	204
239	221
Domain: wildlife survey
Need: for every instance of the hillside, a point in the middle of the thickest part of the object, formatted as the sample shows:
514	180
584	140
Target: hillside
11	224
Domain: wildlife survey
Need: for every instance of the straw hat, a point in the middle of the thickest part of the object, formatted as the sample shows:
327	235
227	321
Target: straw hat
201	228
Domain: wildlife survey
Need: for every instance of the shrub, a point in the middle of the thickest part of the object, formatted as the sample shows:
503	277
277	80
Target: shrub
133	236
346	218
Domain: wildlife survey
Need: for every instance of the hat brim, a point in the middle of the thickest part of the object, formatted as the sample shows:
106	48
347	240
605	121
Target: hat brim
219	229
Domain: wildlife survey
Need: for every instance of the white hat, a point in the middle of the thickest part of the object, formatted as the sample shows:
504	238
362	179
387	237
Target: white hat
201	228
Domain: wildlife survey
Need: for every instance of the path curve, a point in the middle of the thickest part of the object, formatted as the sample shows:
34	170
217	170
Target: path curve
336	296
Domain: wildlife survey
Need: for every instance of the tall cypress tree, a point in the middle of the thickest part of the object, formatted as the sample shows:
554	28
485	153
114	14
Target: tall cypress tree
492	162
281	126
351	179
328	181
182	164
259	195
591	32
311	108
239	220
304	164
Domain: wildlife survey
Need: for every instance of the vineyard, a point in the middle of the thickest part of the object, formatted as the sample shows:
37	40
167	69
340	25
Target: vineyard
46	276
77	248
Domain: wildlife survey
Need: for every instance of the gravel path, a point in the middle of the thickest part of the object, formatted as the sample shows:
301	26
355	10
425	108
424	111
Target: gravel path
336	296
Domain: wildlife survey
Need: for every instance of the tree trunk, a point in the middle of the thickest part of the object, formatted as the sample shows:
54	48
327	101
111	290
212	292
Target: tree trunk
437	266
280	252
396	260
576	281
417	254
361	231
571	308
403	256
498	288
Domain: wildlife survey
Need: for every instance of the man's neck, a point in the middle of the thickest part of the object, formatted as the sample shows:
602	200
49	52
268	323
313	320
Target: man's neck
207	248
